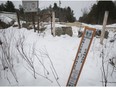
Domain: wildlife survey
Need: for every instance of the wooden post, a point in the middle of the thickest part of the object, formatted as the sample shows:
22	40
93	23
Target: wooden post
38	17
33	21
25	19
104	27
51	24
53	21
38	23
18	20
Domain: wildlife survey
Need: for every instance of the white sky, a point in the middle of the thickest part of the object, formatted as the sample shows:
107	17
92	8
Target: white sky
76	5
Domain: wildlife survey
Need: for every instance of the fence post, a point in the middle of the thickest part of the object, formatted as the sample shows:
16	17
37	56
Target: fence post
104	27
38	17
18	20
53	21
33	21
38	23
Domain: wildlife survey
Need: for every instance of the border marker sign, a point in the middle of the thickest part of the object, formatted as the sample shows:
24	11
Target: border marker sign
81	56
30	6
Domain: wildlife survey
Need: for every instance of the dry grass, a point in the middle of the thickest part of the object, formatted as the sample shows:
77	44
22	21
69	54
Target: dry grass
78	24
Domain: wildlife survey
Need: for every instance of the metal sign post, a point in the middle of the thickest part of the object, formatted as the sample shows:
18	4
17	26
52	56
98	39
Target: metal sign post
81	56
32	7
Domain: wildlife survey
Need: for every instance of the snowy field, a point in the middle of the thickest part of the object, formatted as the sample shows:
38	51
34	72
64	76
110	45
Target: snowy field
31	59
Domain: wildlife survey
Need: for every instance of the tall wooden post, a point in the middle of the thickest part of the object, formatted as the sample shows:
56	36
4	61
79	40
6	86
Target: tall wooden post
51	24
18	20
33	21
38	23
104	27
53	21
38	17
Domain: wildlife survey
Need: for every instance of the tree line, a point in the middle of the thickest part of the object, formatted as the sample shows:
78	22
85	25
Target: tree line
63	14
96	14
8	7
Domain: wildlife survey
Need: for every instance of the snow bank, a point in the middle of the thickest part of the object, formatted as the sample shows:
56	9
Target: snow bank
5	19
53	58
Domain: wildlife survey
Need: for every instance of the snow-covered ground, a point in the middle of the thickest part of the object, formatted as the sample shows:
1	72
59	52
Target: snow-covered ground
5	19
44	60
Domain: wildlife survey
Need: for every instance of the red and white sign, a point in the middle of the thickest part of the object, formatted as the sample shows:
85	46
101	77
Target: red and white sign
81	56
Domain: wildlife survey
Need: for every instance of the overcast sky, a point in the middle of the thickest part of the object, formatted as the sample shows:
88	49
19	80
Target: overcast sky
76	5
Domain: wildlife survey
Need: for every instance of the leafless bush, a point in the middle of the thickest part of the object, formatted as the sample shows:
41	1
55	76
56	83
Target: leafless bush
6	57
13	48
108	63
45	53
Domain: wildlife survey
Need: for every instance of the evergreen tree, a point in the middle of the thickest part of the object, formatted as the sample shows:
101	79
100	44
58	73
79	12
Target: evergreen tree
9	6
2	7
21	9
96	14
64	14
55	6
70	14
56	10
103	6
